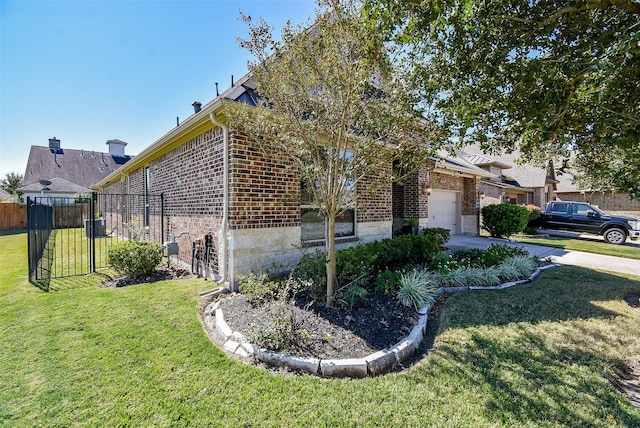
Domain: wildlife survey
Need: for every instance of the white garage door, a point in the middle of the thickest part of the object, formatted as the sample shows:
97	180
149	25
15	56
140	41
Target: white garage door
443	210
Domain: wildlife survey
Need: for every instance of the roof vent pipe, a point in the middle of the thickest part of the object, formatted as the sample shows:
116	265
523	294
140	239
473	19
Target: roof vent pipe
197	105
232	81
217	93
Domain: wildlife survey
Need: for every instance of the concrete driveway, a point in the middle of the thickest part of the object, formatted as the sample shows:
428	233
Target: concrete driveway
557	255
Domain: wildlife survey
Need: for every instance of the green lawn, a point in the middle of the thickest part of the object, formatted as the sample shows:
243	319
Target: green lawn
534	355
589	246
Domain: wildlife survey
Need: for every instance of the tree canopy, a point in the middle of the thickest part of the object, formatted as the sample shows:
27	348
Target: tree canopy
331	100
555	80
11	182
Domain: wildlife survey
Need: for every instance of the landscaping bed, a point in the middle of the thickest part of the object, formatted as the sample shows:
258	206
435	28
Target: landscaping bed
376	323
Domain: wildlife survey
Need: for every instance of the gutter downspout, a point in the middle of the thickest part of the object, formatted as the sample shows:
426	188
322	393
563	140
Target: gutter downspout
225	198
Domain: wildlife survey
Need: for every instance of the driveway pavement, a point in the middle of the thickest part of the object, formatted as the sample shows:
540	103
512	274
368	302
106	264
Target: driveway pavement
558	255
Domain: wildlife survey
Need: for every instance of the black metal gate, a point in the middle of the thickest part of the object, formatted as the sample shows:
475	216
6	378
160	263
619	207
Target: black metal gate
72	236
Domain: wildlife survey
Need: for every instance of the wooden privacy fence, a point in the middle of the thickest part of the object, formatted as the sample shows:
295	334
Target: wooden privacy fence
13	216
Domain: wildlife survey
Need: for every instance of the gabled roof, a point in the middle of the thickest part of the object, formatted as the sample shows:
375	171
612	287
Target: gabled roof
482	160
525	175
80	168
460	165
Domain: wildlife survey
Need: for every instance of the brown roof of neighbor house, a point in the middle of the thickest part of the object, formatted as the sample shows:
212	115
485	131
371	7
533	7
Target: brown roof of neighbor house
69	167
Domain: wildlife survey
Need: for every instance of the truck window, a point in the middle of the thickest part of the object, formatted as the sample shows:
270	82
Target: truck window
559	207
581	209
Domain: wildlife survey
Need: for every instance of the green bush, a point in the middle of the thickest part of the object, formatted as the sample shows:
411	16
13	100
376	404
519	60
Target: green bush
259	287
503	220
442	235
446	262
135	258
364	261
388	281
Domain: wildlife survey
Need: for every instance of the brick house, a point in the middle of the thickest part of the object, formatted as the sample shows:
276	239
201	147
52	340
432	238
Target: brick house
250	201
58	174
520	184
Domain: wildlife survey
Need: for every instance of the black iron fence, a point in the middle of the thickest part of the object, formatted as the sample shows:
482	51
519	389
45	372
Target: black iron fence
72	236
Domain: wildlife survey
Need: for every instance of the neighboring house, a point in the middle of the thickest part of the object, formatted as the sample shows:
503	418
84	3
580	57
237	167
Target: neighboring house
59	174
611	202
501	188
250	200
4	195
521	184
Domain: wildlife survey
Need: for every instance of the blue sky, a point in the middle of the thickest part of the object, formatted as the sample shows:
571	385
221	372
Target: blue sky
90	71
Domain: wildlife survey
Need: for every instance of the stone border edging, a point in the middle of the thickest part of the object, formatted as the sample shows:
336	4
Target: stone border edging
375	364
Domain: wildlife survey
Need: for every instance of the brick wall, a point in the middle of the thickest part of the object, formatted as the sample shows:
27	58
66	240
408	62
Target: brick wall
264	187
374	201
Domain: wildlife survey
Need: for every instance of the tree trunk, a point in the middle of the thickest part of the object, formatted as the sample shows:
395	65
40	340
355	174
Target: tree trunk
330	239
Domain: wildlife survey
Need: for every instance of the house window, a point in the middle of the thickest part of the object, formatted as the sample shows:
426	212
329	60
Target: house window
313	223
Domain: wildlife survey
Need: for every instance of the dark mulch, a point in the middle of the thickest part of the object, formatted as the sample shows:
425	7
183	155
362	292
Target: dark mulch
375	323
633	300
160	274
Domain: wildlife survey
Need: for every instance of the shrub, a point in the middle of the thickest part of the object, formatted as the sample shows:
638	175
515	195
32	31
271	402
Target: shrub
446	262
259	287
388	281
416	289
503	220
535	217
523	265
351	294
496	253
362	261
442	235
135	258
287	332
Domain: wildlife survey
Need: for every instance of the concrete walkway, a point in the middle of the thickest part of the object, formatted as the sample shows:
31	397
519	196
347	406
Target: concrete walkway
557	255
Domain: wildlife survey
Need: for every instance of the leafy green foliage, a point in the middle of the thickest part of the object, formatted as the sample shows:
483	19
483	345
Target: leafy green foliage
554	81
135	258
11	182
446	262
364	261
503	220
259	286
388	281
443	235
352	293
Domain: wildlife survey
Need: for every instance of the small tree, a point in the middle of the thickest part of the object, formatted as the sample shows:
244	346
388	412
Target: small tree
331	102
11	182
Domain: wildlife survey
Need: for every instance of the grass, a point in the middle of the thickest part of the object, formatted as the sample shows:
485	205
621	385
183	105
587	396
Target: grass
534	355
597	247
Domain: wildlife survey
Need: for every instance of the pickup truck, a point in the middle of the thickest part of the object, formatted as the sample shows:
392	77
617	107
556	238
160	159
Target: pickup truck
585	218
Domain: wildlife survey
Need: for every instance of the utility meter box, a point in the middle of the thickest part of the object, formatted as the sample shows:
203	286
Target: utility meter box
170	248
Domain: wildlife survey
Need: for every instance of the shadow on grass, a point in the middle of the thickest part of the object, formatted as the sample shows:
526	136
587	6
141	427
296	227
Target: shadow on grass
11	232
79	281
543	351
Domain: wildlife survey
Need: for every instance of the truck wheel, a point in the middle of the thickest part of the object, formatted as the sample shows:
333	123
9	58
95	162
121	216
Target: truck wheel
615	235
